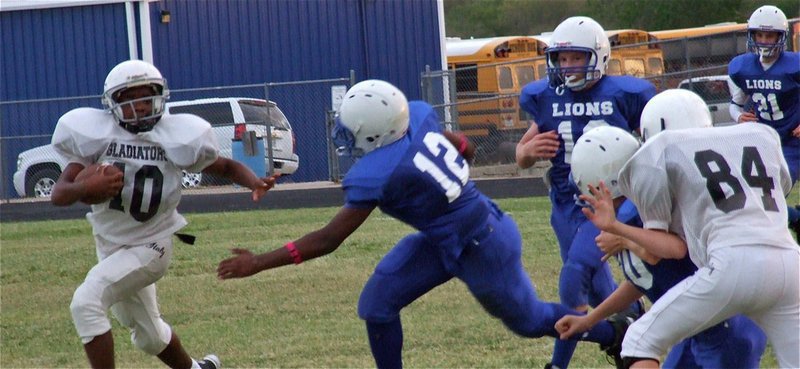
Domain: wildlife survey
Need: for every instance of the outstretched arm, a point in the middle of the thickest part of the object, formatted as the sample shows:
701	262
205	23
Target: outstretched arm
315	244
242	175
619	300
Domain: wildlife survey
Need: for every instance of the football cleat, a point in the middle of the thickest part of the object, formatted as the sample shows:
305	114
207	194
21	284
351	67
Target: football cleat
620	322
210	361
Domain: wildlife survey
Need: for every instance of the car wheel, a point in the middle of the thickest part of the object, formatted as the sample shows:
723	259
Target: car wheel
41	182
191	180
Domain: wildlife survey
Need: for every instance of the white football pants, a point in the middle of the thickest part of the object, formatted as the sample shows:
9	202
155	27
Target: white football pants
124	280
762	282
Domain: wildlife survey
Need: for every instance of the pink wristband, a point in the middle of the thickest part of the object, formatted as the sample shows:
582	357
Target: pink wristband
296	257
462	146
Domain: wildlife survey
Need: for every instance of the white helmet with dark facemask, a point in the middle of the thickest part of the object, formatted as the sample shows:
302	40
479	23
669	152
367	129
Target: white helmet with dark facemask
674	109
129	74
599	155
581	34
374	113
767	18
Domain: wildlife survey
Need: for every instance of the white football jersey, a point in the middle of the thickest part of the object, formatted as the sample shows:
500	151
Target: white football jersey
725	186
152	163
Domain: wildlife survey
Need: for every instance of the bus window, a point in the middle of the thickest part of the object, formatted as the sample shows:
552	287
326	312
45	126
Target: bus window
525	75
504	78
466	78
614	68
655	66
542	70
634	67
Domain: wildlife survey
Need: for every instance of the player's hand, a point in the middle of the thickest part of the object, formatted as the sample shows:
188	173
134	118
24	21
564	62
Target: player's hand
747	117
602	212
570	325
240	266
609	243
796	131
542	146
261	187
107	185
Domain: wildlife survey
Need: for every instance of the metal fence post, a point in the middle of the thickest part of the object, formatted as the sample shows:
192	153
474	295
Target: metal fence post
270	149
333	158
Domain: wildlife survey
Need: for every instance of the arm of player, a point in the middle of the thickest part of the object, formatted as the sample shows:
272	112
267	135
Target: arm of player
67	191
611	244
314	244
660	243
462	143
242	175
535	146
619	300
738	100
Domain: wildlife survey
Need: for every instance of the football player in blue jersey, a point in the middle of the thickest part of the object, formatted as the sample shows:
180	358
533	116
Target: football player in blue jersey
598	156
576	97
770	76
418	174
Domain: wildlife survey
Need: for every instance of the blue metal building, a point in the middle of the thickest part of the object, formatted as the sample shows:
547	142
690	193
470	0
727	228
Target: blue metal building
64	48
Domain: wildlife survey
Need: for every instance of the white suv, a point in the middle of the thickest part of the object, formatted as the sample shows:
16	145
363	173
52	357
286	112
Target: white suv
714	91
39	168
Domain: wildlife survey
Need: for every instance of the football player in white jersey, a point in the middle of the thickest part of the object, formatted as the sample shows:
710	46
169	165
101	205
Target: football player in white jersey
723	190
133	228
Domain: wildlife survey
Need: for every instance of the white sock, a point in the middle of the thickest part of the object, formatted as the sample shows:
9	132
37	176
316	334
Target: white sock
195	365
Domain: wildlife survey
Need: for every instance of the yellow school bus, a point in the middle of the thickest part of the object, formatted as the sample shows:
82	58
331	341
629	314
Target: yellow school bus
489	74
634	53
714	44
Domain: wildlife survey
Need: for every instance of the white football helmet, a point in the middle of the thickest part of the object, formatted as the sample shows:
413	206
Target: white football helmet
674	109
767	18
135	73
577	34
599	155
374	113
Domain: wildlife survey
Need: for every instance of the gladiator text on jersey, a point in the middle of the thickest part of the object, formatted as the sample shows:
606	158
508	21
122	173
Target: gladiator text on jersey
121	150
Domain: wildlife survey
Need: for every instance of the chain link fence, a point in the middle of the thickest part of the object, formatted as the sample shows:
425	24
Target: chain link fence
492	118
284	127
270	127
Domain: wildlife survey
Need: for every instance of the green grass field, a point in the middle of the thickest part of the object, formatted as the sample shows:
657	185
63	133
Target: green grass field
293	317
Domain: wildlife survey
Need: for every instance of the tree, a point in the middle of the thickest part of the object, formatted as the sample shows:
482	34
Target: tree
488	18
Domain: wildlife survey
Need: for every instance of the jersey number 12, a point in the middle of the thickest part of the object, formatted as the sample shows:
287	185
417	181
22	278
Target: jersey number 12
435	143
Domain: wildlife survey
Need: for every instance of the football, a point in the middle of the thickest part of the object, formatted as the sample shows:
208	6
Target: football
96	169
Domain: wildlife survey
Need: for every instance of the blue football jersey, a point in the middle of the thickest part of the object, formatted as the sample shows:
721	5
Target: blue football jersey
422	181
614	100
775	91
652	280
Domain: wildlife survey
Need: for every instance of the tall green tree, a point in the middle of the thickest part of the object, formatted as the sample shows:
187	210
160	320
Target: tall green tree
488	18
